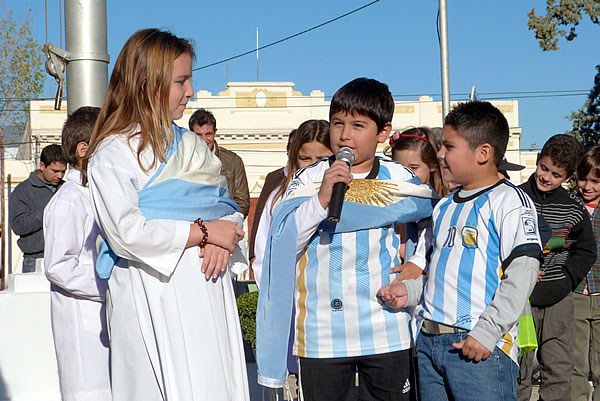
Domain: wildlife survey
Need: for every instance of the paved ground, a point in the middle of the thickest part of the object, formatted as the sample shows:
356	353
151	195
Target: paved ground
257	395
534	394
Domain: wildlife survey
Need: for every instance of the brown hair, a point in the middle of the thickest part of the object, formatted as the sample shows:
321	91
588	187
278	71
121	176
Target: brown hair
564	151
138	93
52	153
78	128
202	117
308	131
589	163
423	140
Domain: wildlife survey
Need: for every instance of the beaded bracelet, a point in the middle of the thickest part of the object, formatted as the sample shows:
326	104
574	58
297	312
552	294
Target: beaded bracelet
204	230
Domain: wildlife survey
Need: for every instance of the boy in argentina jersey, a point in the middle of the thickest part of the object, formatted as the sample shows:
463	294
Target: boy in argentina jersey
340	326
483	266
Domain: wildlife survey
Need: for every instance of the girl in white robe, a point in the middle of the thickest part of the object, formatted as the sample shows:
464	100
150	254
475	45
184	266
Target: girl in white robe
173	320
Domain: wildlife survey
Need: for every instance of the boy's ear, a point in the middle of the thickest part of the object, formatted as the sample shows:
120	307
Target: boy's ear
484	153
383	135
82	148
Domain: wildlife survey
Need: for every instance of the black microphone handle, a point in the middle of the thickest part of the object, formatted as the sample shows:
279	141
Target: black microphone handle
336	202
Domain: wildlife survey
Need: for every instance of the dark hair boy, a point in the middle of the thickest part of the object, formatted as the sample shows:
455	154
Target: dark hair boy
569	255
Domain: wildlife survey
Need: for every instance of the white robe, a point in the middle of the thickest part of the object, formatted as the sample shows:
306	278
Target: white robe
77	300
174	335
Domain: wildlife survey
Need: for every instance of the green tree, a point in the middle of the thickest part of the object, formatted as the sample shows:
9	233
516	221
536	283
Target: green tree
561	19
586	121
21	74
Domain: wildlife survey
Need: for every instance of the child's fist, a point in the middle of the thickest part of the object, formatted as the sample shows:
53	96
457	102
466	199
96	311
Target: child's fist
338	172
473	349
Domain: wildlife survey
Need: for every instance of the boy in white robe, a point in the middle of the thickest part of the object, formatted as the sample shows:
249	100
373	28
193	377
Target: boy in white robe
77	302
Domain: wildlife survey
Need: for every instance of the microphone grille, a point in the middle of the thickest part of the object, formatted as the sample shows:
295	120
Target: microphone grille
345	154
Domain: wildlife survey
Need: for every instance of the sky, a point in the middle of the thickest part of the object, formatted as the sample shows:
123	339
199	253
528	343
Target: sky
393	41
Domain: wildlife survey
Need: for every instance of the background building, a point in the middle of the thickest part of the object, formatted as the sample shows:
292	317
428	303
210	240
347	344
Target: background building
253	120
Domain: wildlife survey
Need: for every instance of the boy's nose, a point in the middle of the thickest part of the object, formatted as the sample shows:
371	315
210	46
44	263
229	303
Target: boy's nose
345	134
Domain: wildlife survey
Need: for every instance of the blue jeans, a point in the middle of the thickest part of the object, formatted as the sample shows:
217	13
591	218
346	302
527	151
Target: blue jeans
446	374
29	265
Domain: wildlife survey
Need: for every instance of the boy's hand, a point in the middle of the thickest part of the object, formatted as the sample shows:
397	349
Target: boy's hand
338	172
394	295
214	260
541	274
472	349
408	271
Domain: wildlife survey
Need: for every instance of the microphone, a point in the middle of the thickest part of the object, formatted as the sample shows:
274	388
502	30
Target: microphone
339	189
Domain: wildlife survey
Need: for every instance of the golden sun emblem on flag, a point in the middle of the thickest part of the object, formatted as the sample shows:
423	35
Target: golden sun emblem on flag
371	192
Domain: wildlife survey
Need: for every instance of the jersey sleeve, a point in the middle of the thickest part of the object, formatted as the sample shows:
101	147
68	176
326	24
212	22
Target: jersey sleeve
520	253
518	228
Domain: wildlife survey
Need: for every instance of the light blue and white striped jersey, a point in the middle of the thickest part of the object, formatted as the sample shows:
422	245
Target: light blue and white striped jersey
337	279
474	239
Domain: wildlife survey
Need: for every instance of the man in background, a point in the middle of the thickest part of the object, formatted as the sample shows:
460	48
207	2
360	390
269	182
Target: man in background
203	123
28	200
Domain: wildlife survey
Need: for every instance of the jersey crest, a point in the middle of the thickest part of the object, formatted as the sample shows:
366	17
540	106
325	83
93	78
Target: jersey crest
469	237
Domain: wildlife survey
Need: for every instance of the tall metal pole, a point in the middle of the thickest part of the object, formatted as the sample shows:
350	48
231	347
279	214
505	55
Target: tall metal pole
4	273
86	42
9	232
256	54
444	58
36	151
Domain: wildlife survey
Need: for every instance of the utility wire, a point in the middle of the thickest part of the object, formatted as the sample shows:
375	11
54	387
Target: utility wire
283	134
287	38
456	98
567	92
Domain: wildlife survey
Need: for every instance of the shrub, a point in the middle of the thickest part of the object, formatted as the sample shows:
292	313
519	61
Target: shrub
247	304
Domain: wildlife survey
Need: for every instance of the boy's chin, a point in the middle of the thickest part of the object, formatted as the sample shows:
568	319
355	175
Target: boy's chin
546	188
448	177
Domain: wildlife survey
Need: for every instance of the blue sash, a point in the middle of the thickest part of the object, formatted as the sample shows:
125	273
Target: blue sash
187	185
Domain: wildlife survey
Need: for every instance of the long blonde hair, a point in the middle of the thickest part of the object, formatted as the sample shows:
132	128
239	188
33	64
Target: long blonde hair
138	93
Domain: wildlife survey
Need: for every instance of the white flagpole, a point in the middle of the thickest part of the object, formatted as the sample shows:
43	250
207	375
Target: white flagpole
256	54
